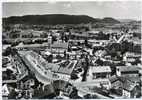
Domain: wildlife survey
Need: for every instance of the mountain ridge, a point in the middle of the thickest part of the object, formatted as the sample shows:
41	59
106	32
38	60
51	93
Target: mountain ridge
54	19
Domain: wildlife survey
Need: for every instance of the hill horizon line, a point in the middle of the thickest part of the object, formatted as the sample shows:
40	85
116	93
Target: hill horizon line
59	19
72	15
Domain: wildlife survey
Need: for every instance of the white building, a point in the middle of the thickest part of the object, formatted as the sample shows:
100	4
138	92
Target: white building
99	72
128	71
5	91
59	47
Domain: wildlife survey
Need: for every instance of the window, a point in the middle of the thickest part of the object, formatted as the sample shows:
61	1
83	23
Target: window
55	76
45	72
38	66
34	61
99	75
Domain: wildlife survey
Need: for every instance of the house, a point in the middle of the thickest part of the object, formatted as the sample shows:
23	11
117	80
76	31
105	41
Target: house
79	36
76	41
97	72
22	46
5	60
49	41
4	47
97	43
8	92
65	70
101	90
14	34
59	47
117	82
5	90
61	70
96	82
45	54
127	71
44	91
26	34
125	87
131	90
37	33
32	34
63	87
29	82
131	57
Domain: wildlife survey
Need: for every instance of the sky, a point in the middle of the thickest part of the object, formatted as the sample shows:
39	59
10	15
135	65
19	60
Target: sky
115	9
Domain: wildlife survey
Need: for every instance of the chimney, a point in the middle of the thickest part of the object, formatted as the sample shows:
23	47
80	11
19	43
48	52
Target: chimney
118	73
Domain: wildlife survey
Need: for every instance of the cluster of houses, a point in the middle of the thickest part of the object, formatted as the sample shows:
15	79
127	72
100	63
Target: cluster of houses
45	69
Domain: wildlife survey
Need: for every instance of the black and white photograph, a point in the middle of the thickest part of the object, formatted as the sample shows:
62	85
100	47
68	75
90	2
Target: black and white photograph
71	50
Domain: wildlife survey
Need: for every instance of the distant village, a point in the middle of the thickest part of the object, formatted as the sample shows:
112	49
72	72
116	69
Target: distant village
82	61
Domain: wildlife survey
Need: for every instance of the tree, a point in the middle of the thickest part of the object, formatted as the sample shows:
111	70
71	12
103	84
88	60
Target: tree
7	51
65	54
74	93
93	51
85	66
54	38
43	35
7	28
89	96
69	48
137	61
86	42
12	94
99	62
87	29
62	36
125	47
74	76
80	69
69	35
66	38
50	58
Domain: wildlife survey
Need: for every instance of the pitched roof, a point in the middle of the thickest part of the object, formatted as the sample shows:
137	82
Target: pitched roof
31	45
53	67
49	89
60	45
60	84
113	78
5	91
26	32
127	83
100	69
128	68
67	69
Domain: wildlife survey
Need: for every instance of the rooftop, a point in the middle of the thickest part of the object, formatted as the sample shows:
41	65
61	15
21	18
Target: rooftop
100	69
68	68
26	32
21	45
60	45
127	83
128	68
